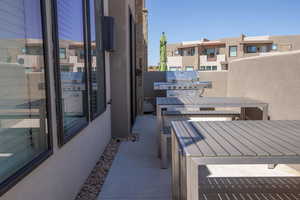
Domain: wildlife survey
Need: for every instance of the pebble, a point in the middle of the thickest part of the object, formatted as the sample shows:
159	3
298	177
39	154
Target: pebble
92	186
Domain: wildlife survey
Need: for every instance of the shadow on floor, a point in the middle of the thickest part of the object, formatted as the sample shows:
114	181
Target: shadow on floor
136	173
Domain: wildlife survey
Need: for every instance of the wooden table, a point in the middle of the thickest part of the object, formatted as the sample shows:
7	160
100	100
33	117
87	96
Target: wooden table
234	142
165	103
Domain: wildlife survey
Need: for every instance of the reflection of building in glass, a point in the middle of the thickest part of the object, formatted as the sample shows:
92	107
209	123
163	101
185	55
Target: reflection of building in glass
29	54
71	55
73	85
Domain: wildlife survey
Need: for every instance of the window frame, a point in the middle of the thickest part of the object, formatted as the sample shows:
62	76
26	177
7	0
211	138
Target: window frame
202	68
248	47
23	172
236	52
189	68
98	19
65	53
214	53
274	47
74	131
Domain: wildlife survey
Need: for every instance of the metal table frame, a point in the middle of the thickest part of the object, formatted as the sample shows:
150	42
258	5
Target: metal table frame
185	166
242	105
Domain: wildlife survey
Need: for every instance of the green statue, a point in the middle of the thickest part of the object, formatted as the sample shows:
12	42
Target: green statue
163	53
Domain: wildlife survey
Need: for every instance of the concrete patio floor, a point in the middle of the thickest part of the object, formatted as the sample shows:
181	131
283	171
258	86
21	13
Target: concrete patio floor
136	173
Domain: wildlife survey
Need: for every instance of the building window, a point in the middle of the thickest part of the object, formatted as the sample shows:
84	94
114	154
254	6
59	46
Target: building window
62	53
211	52
176	53
233	51
81	54
24	135
208	68
65	68
96	61
189	68
79	69
274	47
263	49
188	52
214	68
202	68
72	86
251	49
175	68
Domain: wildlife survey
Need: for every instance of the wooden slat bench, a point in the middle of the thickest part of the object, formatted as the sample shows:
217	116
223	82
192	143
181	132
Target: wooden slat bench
197	144
182	114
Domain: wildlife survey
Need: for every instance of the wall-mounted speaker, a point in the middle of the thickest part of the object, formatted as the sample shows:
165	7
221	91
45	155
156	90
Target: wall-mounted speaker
109	33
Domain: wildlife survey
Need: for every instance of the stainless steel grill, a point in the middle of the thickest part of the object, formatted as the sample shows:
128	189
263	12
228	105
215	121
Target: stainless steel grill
182	83
182	76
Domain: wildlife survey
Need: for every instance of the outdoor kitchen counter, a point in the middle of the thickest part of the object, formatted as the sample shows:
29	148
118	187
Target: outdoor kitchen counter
167	103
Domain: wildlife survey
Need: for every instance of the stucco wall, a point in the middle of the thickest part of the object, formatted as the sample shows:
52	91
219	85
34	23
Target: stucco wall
219	83
274	79
149	79
120	68
61	176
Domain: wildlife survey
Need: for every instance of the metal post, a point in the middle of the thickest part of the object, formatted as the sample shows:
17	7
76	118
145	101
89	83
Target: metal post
175	168
243	113
192	173
159	126
265	112
164	150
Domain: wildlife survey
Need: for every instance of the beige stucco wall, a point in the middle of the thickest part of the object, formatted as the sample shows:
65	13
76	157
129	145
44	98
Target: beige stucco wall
120	68
190	61
274	79
61	176
219	83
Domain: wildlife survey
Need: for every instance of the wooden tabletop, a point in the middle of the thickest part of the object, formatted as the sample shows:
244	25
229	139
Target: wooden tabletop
240	139
210	101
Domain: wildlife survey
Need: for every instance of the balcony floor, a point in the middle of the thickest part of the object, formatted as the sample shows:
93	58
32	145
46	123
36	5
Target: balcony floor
136	173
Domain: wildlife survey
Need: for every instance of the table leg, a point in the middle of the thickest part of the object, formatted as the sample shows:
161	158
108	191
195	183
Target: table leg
266	117
243	113
192	179
265	112
175	168
159	128
164	150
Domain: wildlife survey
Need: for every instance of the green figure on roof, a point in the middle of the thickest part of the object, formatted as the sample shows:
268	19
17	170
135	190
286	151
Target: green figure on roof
163	53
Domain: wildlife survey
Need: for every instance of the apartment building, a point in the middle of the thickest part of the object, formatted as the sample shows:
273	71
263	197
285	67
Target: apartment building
215	55
63	92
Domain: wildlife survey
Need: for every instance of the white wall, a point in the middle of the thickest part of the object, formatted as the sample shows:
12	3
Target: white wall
61	176
205	62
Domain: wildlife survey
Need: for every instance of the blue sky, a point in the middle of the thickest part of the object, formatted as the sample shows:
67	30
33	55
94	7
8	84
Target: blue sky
185	20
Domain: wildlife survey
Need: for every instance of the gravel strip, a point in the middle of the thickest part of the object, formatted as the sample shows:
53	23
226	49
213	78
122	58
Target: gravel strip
93	185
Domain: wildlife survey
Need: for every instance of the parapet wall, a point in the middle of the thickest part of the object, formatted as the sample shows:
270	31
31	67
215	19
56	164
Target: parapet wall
273	78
